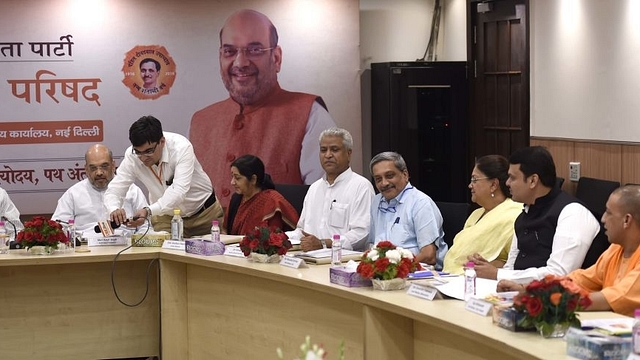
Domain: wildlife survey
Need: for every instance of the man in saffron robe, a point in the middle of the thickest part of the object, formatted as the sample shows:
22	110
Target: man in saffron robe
614	280
259	117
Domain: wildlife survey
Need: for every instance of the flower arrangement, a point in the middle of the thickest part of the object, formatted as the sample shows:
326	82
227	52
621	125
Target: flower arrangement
41	232
386	262
551	301
265	240
313	352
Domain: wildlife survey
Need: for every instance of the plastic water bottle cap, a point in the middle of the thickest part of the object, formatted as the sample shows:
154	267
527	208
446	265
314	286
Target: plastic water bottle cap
636	313
214	222
176	212
71	221
470	264
336	237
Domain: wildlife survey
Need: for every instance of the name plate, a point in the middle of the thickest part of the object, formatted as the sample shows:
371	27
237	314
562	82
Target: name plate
422	291
292	262
107	241
478	306
173	245
233	251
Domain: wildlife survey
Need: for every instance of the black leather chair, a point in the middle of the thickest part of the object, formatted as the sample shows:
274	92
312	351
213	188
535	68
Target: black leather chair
454	215
294	193
594	194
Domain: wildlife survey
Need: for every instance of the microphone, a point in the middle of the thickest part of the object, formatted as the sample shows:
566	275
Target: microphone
12	244
113	224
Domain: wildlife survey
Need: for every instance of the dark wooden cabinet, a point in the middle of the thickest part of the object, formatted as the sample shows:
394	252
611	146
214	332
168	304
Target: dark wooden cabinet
420	110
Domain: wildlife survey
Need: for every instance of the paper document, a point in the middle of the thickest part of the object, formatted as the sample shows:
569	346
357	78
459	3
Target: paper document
326	253
615	326
455	287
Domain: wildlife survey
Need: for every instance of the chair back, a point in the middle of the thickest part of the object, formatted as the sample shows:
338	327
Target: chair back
454	215
594	194
294	193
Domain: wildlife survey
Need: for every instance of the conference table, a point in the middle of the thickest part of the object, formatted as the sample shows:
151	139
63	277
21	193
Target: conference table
63	306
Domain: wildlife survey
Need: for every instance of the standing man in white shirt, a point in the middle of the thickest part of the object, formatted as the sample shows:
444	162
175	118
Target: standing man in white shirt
166	164
84	201
554	231
339	202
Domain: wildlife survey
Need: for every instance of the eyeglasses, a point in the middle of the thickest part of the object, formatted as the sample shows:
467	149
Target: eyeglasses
147	152
475	179
103	167
386	207
249	51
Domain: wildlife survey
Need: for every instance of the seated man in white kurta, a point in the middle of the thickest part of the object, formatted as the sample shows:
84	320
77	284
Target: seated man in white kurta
84	201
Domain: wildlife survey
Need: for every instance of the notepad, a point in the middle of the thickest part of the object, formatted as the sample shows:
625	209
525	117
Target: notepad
323	256
425	274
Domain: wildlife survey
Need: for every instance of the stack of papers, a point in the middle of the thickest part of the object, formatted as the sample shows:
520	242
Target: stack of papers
323	256
616	326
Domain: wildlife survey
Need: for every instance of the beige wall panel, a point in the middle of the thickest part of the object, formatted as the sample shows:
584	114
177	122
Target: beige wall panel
239	316
70	312
387	335
630	164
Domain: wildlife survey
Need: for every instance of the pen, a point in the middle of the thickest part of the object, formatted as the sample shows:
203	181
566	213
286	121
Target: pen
395	222
331	206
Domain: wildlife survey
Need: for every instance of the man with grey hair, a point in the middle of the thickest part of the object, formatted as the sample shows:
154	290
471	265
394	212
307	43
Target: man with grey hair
258	112
403	214
84	201
339	202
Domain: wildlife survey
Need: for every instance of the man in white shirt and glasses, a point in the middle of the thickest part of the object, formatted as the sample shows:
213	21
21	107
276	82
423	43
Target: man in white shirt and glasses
166	164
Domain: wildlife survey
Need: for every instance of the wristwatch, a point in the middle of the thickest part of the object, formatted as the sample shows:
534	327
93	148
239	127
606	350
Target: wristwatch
324	243
148	211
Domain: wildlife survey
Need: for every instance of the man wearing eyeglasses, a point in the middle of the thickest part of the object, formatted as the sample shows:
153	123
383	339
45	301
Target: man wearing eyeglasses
403	214
259	117
84	201
165	163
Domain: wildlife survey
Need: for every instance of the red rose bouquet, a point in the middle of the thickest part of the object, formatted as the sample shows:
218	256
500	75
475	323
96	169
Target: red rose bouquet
265	240
41	232
551	301
386	262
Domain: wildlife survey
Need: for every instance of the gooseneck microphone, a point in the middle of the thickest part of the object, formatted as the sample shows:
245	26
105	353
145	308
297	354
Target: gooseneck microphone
13	244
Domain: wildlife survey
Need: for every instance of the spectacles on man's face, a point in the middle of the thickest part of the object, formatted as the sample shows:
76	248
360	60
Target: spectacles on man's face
474	179
147	152
103	168
252	52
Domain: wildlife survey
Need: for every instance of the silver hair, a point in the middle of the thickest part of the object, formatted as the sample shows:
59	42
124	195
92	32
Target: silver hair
397	159
347	140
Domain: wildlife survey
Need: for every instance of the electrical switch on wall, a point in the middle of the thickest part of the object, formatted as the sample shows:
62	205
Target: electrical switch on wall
574	171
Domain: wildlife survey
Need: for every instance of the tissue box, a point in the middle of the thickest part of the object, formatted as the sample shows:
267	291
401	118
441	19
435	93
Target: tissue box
507	317
591	344
149	240
340	276
203	247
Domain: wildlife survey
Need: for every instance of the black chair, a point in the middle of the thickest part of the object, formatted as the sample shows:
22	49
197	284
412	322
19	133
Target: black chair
294	193
594	194
559	182
454	215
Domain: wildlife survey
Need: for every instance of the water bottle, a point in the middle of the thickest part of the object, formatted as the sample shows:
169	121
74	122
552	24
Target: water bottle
71	233
215	231
336	251
636	332
176	226
4	239
469	281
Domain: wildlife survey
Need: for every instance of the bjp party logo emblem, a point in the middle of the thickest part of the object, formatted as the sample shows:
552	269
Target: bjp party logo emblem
149	71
